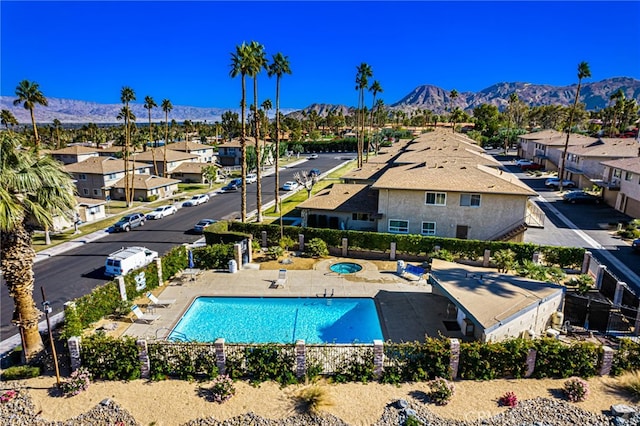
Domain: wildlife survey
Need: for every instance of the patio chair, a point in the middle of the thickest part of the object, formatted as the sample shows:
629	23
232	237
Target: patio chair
160	302
148	318
282	279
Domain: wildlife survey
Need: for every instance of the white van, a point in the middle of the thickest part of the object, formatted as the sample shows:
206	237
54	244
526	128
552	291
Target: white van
127	259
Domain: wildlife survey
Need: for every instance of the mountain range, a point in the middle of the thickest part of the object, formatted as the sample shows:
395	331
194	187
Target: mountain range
595	95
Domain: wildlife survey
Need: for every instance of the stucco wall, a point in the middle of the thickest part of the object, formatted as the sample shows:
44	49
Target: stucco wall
495	213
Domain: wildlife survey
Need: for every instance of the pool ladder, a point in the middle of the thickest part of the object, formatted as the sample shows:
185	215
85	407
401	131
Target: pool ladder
325	293
177	335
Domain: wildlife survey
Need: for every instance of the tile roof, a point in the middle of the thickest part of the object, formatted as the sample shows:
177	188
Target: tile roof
191	167
89	201
172	155
542	134
496	297
454	176
368	171
97	165
189	146
147	182
628	164
608	147
344	197
76	149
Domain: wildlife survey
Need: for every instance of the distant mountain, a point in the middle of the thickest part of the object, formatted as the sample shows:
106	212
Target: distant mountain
322	110
594	95
77	112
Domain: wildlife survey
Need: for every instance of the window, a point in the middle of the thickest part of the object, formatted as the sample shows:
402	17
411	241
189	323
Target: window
470	200
96	192
617	173
436	198
111	176
399	226
360	216
82	176
428	228
628	176
85	191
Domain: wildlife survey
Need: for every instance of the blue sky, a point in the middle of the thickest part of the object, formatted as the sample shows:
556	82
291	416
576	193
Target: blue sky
181	50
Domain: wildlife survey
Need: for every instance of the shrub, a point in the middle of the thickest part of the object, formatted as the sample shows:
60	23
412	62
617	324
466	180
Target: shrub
20	372
505	260
584	283
286	242
222	389
576	389
274	252
441	391
313	398
631	383
509	399
442	254
78	381
316	248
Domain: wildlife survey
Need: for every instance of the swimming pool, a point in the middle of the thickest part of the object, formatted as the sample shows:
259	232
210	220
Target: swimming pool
346	267
279	320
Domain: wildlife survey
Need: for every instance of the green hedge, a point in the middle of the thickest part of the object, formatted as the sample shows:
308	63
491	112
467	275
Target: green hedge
627	357
109	358
415	361
486	361
411	244
558	360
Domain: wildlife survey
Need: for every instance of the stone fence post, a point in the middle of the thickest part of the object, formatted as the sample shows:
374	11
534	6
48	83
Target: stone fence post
454	361
263	235
159	267
586	261
301	359
531	362
392	254
143	357
601	271
301	241
378	358
617	296
607	360
345	247
73	343
121	287
221	357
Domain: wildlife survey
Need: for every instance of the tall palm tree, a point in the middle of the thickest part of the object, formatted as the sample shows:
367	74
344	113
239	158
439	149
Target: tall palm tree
29	95
32	189
149	104
279	66
583	72
166	107
618	96
240	62
453	95
7	117
513	99
375	88
363	72
57	125
257	62
127	95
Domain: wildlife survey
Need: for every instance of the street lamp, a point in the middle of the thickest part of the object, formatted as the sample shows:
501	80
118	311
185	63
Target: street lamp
46	307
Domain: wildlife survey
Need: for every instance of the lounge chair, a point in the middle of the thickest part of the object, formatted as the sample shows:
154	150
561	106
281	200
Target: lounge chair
282	279
148	318
160	302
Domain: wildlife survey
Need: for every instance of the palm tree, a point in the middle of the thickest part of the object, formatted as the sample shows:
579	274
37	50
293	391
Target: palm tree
29	95
32	189
149	104
278	67
375	88
240	62
363	72
257	62
166	107
618	96
583	72
513	99
127	95
453	95
7	117
56	127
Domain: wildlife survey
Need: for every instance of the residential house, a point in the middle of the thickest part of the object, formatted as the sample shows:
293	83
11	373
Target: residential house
110	151
95	176
73	154
621	185
452	198
90	209
147	188
492	307
547	147
584	162
191	172
230	154
342	206
173	160
206	153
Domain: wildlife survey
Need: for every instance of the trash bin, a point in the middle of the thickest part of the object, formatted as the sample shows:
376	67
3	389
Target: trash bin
400	267
233	266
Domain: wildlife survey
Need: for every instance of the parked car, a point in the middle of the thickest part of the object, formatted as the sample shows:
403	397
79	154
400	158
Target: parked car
128	222
312	156
290	185
531	166
198	228
635	245
583	197
555	183
127	259
252	178
230	187
161	212
314	173
196	200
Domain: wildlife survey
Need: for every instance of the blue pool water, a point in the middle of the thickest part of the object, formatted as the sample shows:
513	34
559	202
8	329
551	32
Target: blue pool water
345	267
279	320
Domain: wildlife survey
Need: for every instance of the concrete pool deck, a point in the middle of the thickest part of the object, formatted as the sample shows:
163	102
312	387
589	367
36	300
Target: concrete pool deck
408	310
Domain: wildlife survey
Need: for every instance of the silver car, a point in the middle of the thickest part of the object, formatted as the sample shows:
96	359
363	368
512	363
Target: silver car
161	212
